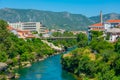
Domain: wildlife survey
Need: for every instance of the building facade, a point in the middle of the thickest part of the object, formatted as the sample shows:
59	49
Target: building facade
111	24
31	26
110	28
96	27
114	34
21	33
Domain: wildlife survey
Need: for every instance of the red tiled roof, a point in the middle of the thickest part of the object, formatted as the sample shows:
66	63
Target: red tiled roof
113	21
30	36
22	33
97	25
10	28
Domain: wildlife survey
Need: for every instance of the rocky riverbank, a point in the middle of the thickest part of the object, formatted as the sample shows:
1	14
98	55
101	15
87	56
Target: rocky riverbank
8	72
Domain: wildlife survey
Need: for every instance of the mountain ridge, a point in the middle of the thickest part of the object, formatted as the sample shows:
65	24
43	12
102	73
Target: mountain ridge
53	20
106	17
64	20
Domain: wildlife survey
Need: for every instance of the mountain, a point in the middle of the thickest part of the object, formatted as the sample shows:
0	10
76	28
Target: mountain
109	16
63	20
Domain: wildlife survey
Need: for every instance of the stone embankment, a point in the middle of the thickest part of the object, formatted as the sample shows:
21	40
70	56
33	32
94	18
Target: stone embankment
53	46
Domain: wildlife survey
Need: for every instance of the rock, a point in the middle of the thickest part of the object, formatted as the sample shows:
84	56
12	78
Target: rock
2	77
10	76
3	66
17	75
41	59
28	65
9	61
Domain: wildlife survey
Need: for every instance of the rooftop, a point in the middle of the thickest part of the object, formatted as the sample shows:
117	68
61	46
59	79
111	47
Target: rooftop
113	30
114	21
97	25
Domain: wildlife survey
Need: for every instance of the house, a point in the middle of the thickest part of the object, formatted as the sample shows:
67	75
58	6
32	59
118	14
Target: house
97	27
110	28
111	24
21	33
25	34
113	33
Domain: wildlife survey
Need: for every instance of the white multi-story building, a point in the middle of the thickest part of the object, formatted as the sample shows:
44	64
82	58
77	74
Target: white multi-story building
32	26
111	24
114	34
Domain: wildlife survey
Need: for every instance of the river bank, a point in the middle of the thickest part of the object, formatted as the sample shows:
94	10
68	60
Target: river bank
49	68
9	72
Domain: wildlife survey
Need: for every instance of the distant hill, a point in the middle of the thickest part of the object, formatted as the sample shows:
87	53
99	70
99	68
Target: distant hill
64	20
96	19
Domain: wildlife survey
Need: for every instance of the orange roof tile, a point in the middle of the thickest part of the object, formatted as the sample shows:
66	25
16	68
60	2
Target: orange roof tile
22	33
113	21
30	36
97	25
10	28
22	30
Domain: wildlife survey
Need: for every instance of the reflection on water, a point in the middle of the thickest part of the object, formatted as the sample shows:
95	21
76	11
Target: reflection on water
48	69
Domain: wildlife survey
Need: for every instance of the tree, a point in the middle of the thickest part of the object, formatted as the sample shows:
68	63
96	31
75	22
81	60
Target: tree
57	34
3	30
82	40
117	46
3	57
96	34
101	45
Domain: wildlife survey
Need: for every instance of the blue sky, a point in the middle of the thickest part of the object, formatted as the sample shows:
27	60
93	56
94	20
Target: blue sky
85	7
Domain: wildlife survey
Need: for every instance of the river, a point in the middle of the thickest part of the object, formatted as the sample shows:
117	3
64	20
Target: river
48	69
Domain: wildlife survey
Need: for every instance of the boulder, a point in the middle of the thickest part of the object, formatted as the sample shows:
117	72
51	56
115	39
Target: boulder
3	66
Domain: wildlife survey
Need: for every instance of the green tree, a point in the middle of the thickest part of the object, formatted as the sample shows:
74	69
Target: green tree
57	34
117	46
3	57
82	40
3	30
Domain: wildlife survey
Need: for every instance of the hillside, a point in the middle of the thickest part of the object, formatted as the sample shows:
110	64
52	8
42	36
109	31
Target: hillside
96	19
50	19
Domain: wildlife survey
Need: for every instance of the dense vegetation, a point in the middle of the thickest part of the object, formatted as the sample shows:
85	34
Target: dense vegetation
99	60
55	20
79	40
64	42
11	46
14	51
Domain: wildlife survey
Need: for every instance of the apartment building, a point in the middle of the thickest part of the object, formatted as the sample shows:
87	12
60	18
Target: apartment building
112	23
31	26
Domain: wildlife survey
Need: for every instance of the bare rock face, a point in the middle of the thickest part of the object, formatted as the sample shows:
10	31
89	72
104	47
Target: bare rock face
3	66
